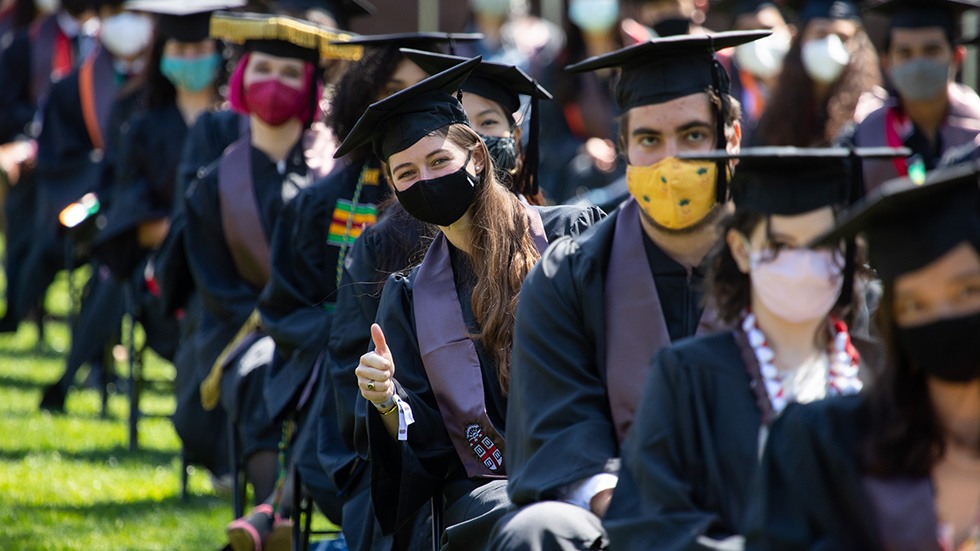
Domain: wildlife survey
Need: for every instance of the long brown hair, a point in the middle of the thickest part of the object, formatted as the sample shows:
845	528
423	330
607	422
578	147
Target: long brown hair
502	253
793	116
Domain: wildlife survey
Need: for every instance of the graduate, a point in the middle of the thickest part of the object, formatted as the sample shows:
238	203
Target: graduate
437	377
597	308
399	241
308	250
79	142
707	405
896	467
231	210
46	51
927	111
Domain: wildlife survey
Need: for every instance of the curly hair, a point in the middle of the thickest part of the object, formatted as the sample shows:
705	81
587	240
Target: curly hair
794	116
502	253
359	88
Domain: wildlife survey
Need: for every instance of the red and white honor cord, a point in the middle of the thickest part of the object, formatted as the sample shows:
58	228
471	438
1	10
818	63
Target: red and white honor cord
842	377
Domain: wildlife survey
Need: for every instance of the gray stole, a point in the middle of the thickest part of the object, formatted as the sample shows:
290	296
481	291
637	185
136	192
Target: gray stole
905	513
240	218
43	42
634	320
451	361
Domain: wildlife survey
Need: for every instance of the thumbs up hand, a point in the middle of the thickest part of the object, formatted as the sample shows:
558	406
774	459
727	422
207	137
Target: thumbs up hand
376	370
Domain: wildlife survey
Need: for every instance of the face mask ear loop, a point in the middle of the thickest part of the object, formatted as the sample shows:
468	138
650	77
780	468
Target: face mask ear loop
721	178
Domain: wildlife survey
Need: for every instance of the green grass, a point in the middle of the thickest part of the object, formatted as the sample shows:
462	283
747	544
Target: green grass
70	482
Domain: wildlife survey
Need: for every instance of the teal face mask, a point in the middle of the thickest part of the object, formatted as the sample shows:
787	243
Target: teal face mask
191	73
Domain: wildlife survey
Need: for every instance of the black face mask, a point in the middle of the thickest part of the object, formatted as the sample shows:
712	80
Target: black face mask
443	200
947	349
503	151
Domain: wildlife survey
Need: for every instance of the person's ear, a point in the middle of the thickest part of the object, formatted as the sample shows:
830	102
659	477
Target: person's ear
479	159
735	138
740	254
959	54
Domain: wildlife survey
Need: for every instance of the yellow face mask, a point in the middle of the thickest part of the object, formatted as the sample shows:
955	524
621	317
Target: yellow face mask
676	194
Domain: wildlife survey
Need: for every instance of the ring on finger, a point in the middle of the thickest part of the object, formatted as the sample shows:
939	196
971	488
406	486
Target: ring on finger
370	386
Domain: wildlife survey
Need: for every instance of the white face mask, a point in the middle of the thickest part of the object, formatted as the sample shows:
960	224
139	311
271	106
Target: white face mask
47	6
127	34
593	15
825	59
799	284
764	57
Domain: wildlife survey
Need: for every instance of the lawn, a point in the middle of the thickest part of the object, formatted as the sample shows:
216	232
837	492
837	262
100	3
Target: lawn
70	482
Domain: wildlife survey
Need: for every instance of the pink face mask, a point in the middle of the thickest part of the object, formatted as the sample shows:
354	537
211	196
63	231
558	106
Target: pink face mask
270	100
275	103
799	284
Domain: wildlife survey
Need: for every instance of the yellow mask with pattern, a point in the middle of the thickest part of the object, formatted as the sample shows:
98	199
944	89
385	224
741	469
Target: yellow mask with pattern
676	194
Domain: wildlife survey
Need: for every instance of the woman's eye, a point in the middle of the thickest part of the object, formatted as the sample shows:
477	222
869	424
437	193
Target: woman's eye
404	175
970	291
489	122
648	141
907	306
440	161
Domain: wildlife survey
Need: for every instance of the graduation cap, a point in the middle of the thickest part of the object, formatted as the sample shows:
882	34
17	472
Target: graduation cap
403	118
183	20
498	82
829	9
502	84
908	226
282	36
793	180
416	41
916	14
668	68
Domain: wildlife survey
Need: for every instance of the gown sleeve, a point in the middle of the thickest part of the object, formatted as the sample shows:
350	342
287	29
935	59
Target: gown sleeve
809	492
559	425
16	107
660	492
293	302
406	474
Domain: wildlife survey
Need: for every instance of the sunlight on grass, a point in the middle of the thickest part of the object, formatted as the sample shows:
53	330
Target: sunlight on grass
70	481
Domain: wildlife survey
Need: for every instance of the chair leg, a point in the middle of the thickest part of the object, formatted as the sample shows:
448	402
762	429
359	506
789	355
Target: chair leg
135	368
238	485
183	474
436	502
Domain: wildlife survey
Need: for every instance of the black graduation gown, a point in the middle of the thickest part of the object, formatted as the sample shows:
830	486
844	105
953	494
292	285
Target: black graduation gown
565	433
809	492
144	185
226	298
17	104
298	302
204	143
692	450
404	475
396	242
68	167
